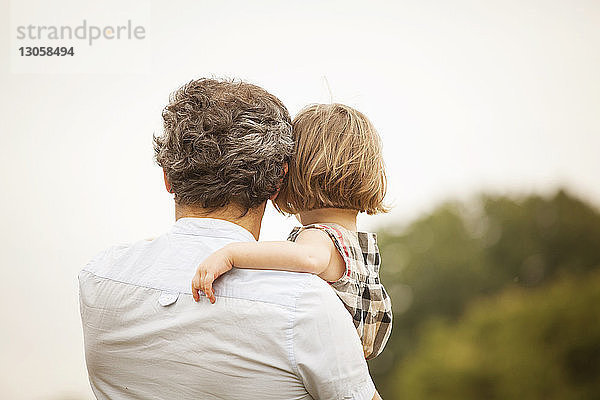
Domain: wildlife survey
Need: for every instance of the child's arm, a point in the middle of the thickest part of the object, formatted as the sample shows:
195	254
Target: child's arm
312	252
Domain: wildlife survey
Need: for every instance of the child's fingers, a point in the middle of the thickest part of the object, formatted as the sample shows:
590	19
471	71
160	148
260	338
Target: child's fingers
195	287
202	282
211	295
207	281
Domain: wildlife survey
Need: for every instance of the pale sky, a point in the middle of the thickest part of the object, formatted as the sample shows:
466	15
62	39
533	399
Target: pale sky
468	96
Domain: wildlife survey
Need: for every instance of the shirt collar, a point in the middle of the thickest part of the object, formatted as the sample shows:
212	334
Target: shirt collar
211	227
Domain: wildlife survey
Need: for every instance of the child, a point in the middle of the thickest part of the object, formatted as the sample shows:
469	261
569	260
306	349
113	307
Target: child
337	172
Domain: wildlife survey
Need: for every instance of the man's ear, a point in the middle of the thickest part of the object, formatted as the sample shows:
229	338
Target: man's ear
285	171
167	184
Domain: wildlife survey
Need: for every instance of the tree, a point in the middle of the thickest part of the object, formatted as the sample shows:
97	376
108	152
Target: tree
464	252
522	344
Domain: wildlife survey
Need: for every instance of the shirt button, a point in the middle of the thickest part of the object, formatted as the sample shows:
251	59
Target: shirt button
167	298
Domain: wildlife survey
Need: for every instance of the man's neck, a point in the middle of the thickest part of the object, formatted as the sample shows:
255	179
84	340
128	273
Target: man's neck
250	221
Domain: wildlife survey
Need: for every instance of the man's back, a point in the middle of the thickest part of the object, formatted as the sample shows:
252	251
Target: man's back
271	334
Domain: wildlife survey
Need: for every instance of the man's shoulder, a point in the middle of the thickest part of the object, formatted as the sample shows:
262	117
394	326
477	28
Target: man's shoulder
109	254
138	263
103	255
278	287
113	258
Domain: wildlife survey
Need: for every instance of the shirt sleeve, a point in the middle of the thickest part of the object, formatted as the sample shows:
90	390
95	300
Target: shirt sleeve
326	350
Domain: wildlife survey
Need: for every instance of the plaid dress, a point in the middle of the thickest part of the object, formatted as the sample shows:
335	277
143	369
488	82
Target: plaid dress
359	288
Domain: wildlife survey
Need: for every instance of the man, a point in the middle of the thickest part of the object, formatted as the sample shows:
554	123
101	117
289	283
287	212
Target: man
271	334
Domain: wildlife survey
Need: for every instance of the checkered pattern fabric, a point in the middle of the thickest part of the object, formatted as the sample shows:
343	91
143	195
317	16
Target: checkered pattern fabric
359	288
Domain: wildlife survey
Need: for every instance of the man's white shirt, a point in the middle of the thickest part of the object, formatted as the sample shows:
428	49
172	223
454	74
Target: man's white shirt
270	335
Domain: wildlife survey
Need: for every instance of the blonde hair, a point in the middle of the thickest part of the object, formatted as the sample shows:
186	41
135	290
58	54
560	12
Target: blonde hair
337	162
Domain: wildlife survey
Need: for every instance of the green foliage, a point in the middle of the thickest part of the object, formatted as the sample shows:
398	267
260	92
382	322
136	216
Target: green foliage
536	344
463	253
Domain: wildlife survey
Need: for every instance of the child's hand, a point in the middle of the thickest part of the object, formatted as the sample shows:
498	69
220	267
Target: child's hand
210	269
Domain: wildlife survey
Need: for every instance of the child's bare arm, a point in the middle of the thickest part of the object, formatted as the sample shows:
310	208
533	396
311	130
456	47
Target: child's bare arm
312	252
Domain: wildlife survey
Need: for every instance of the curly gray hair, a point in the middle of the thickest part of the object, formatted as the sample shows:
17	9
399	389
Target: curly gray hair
224	142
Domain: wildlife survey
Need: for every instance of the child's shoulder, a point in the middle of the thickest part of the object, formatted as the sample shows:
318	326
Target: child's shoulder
365	241
358	249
